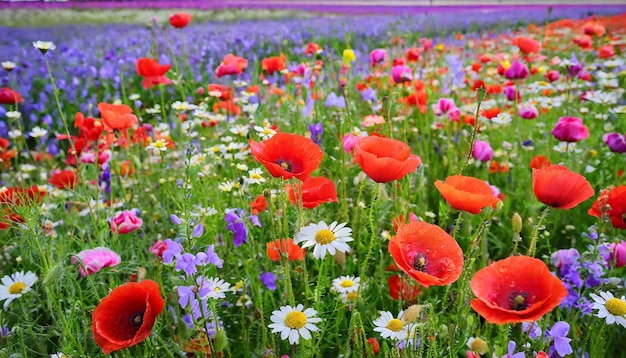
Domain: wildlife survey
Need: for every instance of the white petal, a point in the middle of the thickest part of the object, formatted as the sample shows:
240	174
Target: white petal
294	337
304	333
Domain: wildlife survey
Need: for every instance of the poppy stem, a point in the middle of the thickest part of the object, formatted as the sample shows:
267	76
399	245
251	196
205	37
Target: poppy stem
533	239
482	94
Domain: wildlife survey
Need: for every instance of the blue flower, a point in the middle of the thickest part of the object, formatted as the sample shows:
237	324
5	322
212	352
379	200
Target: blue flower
237	227
269	280
333	101
317	130
558	332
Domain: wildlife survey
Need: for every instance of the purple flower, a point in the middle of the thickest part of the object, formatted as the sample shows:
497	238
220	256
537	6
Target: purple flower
510	93
175	219
317	130
188	321
197	230
213	258
576	67
185	296
558	332
269	280
401	73
333	101
172	251
377	56
511	352
369	94
482	151
237	227
187	263
517	71
616	142
527	111
532	328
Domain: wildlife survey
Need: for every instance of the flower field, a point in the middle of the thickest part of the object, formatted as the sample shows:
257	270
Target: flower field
419	185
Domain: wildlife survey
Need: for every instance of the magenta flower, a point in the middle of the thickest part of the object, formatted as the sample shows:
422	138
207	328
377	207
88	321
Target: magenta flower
527	111
517	71
616	142
570	129
552	76
511	93
377	56
618	253
401	73
350	140
95	260
125	222
482	151
446	106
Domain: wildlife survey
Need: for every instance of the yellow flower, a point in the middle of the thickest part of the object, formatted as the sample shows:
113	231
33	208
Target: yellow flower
506	64
348	56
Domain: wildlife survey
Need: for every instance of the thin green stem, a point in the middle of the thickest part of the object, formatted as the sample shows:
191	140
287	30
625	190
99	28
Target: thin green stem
533	239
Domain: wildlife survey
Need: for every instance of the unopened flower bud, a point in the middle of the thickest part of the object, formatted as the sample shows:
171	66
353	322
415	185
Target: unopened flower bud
412	313
478	345
516	223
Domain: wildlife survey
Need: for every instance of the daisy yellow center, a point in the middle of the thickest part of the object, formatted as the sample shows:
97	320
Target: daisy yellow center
616	306
351	296
295	320
395	325
255	176
17	288
324	237
346	283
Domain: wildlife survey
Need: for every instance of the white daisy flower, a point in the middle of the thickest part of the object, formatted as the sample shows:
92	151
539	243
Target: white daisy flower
59	355
44	46
37	132
8	65
609	307
325	238
390	327
14	115
294	323
264	132
157	146
345	284
255	176
15	286
213	287
240	130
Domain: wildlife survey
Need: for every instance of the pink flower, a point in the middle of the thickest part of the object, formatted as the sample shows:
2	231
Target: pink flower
401	73
125	222
615	141
446	106
527	111
618	253
482	151
570	129
95	260
511	94
552	76
158	248
372	120
517	71
377	56
350	140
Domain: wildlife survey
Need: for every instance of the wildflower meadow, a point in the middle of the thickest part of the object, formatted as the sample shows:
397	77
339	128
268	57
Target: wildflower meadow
436	183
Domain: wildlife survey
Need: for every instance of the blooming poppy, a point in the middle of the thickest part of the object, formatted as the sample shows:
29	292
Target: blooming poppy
413	54
516	289
231	65
313	191
313	49
427	253
222	92
612	204
560	188
126	316
282	246
404	290
152	72
180	20
9	96
385	159
539	162
570	129
526	44
287	155
274	64
467	193
88	128
258	205
5	154
65	179
117	116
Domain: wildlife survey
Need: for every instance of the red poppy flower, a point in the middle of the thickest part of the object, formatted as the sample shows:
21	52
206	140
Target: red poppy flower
560	188
404	290
126	316
539	162
413	54
9	96
427	253
65	179
467	193
282	246
180	20
258	205
313	192
152	72
612	204
117	116
274	64
5	154
385	159
222	92
313	49
231	65
17	196
516	289
526	44
88	128
287	155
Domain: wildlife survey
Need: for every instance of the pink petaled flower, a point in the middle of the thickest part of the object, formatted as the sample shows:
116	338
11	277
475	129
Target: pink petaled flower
511	93
517	71
570	129
401	73
377	56
350	140
446	106
158	248
125	222
527	111
482	151
95	260
372	120
552	76
618	253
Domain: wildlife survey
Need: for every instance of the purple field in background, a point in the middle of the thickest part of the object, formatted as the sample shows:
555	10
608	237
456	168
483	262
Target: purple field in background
356	8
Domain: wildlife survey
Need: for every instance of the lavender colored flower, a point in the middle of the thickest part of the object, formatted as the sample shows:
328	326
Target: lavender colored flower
187	263
456	71
332	100
532	328
254	219
198	230
511	351
576	66
175	219
269	280
317	130
237	227
172	251
559	332
185	295
188	320
369	94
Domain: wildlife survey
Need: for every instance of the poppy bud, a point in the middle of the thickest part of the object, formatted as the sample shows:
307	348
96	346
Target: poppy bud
516	223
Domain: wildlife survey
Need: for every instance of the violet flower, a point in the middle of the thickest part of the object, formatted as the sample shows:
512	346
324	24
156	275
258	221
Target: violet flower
237	227
332	100
558	332
269	280
317	130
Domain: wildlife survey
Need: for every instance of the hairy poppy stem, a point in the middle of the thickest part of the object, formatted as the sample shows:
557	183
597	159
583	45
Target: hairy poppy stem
533	239
482	94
